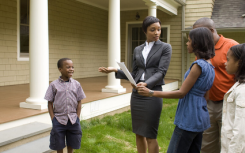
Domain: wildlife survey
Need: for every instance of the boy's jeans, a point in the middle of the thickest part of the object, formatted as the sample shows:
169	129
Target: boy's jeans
185	141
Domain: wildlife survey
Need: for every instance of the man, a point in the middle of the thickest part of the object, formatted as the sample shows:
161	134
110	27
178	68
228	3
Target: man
222	83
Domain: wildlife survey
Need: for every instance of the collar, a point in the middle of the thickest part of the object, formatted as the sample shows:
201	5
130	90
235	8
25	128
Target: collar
220	42
150	44
61	80
233	87
155	42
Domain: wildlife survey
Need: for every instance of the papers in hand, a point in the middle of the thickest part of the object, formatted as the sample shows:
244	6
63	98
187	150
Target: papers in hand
126	72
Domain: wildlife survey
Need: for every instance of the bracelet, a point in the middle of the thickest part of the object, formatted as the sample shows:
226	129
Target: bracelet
151	93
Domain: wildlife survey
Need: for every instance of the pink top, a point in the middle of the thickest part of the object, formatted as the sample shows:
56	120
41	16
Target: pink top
65	97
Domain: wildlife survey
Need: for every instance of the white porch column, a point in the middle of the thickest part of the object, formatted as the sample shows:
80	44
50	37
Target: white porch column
114	46
152	9
39	55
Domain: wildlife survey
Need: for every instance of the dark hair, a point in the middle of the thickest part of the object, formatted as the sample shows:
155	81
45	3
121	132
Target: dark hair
238	52
60	62
202	42
148	21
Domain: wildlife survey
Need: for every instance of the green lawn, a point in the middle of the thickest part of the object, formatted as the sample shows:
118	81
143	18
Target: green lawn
113	134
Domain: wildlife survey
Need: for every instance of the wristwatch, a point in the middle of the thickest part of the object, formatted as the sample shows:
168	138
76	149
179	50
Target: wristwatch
151	93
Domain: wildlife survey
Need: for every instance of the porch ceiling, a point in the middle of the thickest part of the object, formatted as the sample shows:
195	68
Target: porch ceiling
124	4
168	6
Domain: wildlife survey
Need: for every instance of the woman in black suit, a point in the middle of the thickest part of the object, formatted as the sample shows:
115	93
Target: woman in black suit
150	63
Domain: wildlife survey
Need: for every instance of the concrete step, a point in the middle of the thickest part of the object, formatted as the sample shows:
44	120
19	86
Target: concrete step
38	146
20	135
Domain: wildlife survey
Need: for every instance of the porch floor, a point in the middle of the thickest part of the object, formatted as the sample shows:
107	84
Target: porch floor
11	96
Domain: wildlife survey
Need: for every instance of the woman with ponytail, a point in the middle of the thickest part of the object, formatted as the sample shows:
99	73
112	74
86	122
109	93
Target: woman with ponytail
233	116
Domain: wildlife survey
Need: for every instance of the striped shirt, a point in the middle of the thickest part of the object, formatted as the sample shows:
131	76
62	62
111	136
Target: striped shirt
65	97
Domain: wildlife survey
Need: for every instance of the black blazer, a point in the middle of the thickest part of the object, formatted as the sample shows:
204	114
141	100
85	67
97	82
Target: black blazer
156	67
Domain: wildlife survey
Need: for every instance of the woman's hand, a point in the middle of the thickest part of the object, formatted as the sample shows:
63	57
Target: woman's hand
142	90
107	70
141	84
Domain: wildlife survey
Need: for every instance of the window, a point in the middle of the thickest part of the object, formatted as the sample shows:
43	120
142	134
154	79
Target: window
138	38
23	30
164	34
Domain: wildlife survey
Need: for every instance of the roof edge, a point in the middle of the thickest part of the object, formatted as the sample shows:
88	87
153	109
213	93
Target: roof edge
239	29
181	2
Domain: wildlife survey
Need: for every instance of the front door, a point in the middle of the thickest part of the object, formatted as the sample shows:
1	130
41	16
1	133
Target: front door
136	38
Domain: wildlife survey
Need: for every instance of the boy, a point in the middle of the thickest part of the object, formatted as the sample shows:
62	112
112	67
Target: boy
64	97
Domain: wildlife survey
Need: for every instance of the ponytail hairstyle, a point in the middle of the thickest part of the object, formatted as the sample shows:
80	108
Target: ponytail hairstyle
238	52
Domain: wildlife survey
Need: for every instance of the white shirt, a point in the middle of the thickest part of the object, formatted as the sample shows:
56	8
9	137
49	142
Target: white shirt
233	120
145	53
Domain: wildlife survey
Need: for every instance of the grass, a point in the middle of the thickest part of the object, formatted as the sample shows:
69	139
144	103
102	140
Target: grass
113	134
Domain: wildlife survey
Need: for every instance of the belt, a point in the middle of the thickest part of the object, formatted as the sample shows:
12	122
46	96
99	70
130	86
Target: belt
217	102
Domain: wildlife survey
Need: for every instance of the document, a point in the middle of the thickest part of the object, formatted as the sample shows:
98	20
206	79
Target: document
126	72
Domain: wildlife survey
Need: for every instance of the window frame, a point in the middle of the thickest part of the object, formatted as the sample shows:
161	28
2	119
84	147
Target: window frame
168	32
19	57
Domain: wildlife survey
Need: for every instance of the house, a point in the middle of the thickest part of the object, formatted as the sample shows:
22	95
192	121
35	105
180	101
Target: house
229	19
34	34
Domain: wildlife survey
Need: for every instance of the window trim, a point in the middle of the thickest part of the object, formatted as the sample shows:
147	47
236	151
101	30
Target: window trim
19	58
168	32
126	39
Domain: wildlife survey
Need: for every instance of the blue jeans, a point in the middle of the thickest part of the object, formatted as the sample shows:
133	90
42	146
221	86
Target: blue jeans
185	141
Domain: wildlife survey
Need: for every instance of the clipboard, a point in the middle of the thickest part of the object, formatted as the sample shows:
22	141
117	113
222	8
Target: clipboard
126	72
